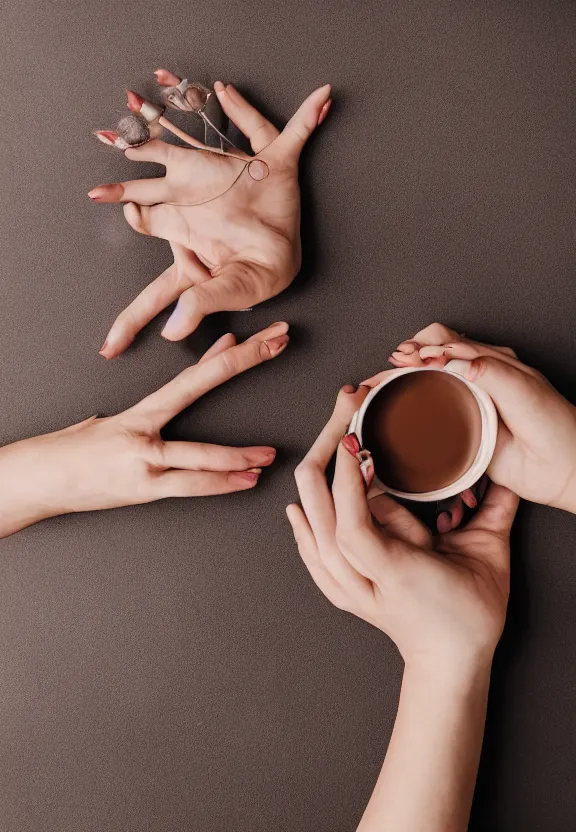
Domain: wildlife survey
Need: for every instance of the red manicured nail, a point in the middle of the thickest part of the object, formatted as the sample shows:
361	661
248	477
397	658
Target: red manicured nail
135	101
469	498
107	136
107	193
276	345
248	476
166	78
351	444
444	522
324	111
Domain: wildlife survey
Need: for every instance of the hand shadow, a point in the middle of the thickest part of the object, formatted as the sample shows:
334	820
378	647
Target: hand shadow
489	785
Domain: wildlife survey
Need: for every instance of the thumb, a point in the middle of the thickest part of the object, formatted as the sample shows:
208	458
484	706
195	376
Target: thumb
237	286
309	115
497	512
519	396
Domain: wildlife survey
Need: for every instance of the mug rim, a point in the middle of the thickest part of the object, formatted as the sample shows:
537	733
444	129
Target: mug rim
489	429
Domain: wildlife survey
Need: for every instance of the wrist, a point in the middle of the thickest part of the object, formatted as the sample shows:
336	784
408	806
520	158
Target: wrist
26	496
451	673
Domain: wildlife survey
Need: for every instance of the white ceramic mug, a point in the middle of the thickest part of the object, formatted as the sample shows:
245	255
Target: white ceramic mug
489	431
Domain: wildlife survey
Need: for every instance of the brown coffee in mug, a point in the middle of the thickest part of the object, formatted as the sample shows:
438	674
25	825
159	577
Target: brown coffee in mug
423	430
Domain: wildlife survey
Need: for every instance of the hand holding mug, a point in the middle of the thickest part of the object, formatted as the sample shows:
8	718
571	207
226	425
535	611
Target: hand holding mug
536	449
440	599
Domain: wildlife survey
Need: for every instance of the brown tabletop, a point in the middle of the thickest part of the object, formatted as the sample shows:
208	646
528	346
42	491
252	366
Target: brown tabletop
172	667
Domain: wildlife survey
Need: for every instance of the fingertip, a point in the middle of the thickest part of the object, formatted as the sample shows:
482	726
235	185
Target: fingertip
219	87
275	346
444	523
324	111
244	479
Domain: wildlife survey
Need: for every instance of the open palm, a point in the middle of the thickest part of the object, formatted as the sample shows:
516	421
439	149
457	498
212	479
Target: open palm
233	221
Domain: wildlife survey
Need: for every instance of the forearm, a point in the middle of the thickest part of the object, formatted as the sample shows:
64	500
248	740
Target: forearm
427	780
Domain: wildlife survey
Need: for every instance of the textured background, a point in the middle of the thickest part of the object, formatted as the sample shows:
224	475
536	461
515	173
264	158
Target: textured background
171	667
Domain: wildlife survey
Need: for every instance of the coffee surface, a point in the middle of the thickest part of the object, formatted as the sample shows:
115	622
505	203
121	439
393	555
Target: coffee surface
423	430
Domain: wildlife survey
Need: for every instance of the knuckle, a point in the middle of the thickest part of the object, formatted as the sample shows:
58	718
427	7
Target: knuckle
305	472
229	361
346	535
438	331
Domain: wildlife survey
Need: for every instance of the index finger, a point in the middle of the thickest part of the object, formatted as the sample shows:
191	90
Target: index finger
246	117
310	474
157	409
298	130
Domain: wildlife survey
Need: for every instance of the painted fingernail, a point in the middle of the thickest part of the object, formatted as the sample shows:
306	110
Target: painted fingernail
247	476
166	78
112	138
444	522
351	444
367	469
324	111
103	347
135	101
469	498
107	193
276	345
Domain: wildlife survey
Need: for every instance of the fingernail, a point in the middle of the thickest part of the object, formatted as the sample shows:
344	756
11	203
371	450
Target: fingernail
110	137
351	444
174	323
253	470
269	454
103	347
219	86
107	193
276	345
135	101
468	498
166	78
247	476
406	347
324	111
367	469
400	357
444	522
432	352
349	388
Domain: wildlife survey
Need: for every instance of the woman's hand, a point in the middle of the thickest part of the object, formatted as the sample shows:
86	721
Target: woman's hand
536	450
122	460
238	248
441	599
